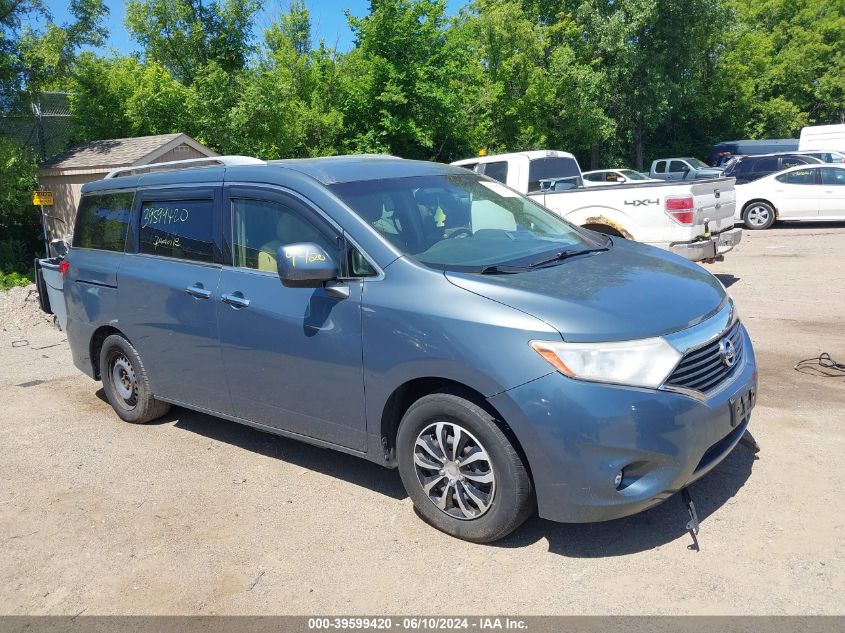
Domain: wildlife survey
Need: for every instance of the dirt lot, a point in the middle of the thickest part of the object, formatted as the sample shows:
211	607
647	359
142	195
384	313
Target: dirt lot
198	515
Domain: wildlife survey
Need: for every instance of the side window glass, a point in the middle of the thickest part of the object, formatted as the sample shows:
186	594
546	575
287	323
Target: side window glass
661	167
678	166
358	264
102	221
183	229
594	177
260	227
766	165
833	176
799	177
497	171
470	166
791	162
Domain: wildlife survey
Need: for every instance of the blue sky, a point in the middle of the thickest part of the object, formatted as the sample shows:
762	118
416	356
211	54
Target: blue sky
327	20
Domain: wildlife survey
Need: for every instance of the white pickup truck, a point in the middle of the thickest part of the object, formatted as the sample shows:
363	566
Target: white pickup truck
692	219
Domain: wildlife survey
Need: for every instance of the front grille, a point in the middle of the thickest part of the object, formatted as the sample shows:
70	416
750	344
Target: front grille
703	368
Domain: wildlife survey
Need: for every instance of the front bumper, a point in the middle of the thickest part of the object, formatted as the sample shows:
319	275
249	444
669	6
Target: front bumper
577	435
708	249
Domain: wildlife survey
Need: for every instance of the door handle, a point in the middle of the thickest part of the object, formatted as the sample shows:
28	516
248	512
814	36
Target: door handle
236	300
198	291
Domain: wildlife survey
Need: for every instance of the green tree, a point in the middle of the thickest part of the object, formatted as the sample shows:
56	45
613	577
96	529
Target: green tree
402	88
34	58
19	226
184	36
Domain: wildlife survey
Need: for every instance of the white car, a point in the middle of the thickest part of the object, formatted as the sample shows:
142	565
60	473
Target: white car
600	177
802	193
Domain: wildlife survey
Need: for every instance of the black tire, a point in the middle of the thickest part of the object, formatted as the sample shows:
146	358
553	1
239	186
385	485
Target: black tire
511	500
133	399
758	215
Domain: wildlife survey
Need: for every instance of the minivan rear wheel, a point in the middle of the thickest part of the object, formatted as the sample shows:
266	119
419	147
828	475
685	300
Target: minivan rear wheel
461	471
126	384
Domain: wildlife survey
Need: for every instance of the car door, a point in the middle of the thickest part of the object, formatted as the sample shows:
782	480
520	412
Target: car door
832	194
796	193
168	290
293	356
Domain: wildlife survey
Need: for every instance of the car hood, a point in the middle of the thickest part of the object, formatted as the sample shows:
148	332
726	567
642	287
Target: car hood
630	291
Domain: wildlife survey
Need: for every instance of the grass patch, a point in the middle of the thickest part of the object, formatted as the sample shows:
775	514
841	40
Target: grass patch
13	279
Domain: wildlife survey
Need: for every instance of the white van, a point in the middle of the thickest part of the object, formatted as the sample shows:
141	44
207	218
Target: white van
826	137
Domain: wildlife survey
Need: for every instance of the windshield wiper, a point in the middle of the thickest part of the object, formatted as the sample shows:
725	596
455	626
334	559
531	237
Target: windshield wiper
561	255
502	270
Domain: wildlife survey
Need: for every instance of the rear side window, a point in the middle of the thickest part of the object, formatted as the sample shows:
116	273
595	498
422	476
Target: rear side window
560	169
102	221
766	164
660	168
799	177
792	161
183	229
497	171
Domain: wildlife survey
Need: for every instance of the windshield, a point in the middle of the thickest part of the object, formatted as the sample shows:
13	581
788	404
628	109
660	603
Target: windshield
461	222
630	174
697	163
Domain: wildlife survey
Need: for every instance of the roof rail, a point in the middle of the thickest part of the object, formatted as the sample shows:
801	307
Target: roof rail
182	164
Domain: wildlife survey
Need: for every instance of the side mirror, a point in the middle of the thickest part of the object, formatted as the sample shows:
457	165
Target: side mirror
305	265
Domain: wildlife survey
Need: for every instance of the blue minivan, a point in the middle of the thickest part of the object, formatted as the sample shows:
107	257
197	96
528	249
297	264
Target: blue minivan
418	315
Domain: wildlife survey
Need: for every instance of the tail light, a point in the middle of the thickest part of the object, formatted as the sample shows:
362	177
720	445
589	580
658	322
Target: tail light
681	209
64	266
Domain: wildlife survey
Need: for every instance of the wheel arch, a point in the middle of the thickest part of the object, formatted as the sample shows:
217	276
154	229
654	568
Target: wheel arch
412	390
95	346
768	202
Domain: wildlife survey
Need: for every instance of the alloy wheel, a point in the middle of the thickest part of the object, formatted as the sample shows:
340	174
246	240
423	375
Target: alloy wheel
454	470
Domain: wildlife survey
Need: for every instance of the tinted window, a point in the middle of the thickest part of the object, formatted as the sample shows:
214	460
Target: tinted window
785	163
178	228
597	177
102	221
498	171
677	166
833	176
738	167
661	167
260	227
560	169
799	177
766	164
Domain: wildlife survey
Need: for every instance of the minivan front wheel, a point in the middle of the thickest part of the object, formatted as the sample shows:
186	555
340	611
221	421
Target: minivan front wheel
125	382
461	471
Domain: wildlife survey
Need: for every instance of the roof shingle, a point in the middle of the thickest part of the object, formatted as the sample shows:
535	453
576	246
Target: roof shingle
109	152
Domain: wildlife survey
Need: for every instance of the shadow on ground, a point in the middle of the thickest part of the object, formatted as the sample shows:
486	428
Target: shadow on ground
348	468
647	530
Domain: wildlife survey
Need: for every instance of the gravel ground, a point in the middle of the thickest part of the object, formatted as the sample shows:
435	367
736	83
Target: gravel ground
19	309
197	515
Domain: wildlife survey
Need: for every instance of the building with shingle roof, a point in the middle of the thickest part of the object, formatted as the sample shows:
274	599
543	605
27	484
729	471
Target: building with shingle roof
65	173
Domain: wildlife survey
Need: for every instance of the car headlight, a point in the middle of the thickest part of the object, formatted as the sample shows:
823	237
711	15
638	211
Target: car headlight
641	363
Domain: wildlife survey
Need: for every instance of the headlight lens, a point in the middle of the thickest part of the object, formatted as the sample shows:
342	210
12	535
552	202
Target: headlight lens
642	363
